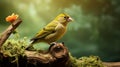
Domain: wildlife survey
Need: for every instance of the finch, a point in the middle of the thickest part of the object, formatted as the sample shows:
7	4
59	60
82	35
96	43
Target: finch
53	31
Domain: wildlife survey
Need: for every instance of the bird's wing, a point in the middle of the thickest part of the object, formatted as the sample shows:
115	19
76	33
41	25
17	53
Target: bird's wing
49	29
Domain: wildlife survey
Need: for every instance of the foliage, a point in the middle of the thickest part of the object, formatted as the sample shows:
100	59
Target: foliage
14	48
91	61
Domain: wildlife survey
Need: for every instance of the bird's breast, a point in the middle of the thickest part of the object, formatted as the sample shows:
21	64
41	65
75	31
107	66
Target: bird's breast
59	32
60	29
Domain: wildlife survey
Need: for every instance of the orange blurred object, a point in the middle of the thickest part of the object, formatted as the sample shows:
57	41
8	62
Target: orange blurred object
12	18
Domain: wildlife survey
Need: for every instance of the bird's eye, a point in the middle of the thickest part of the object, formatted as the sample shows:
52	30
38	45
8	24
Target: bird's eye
65	17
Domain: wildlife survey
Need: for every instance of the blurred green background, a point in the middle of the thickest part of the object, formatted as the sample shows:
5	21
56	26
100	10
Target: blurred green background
95	30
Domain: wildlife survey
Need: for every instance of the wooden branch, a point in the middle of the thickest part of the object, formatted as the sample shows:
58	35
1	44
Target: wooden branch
4	36
56	56
112	64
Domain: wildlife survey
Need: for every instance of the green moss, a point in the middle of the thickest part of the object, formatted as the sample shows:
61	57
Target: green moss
73	62
91	61
14	48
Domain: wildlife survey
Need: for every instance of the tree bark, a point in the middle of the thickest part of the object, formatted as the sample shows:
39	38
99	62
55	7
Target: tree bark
112	64
4	36
56	56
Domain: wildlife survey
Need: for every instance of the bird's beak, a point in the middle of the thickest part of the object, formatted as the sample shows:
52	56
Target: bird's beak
70	19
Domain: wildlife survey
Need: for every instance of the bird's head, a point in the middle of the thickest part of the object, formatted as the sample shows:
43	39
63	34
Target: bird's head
63	18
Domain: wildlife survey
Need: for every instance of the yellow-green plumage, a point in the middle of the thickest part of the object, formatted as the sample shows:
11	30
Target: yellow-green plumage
52	31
